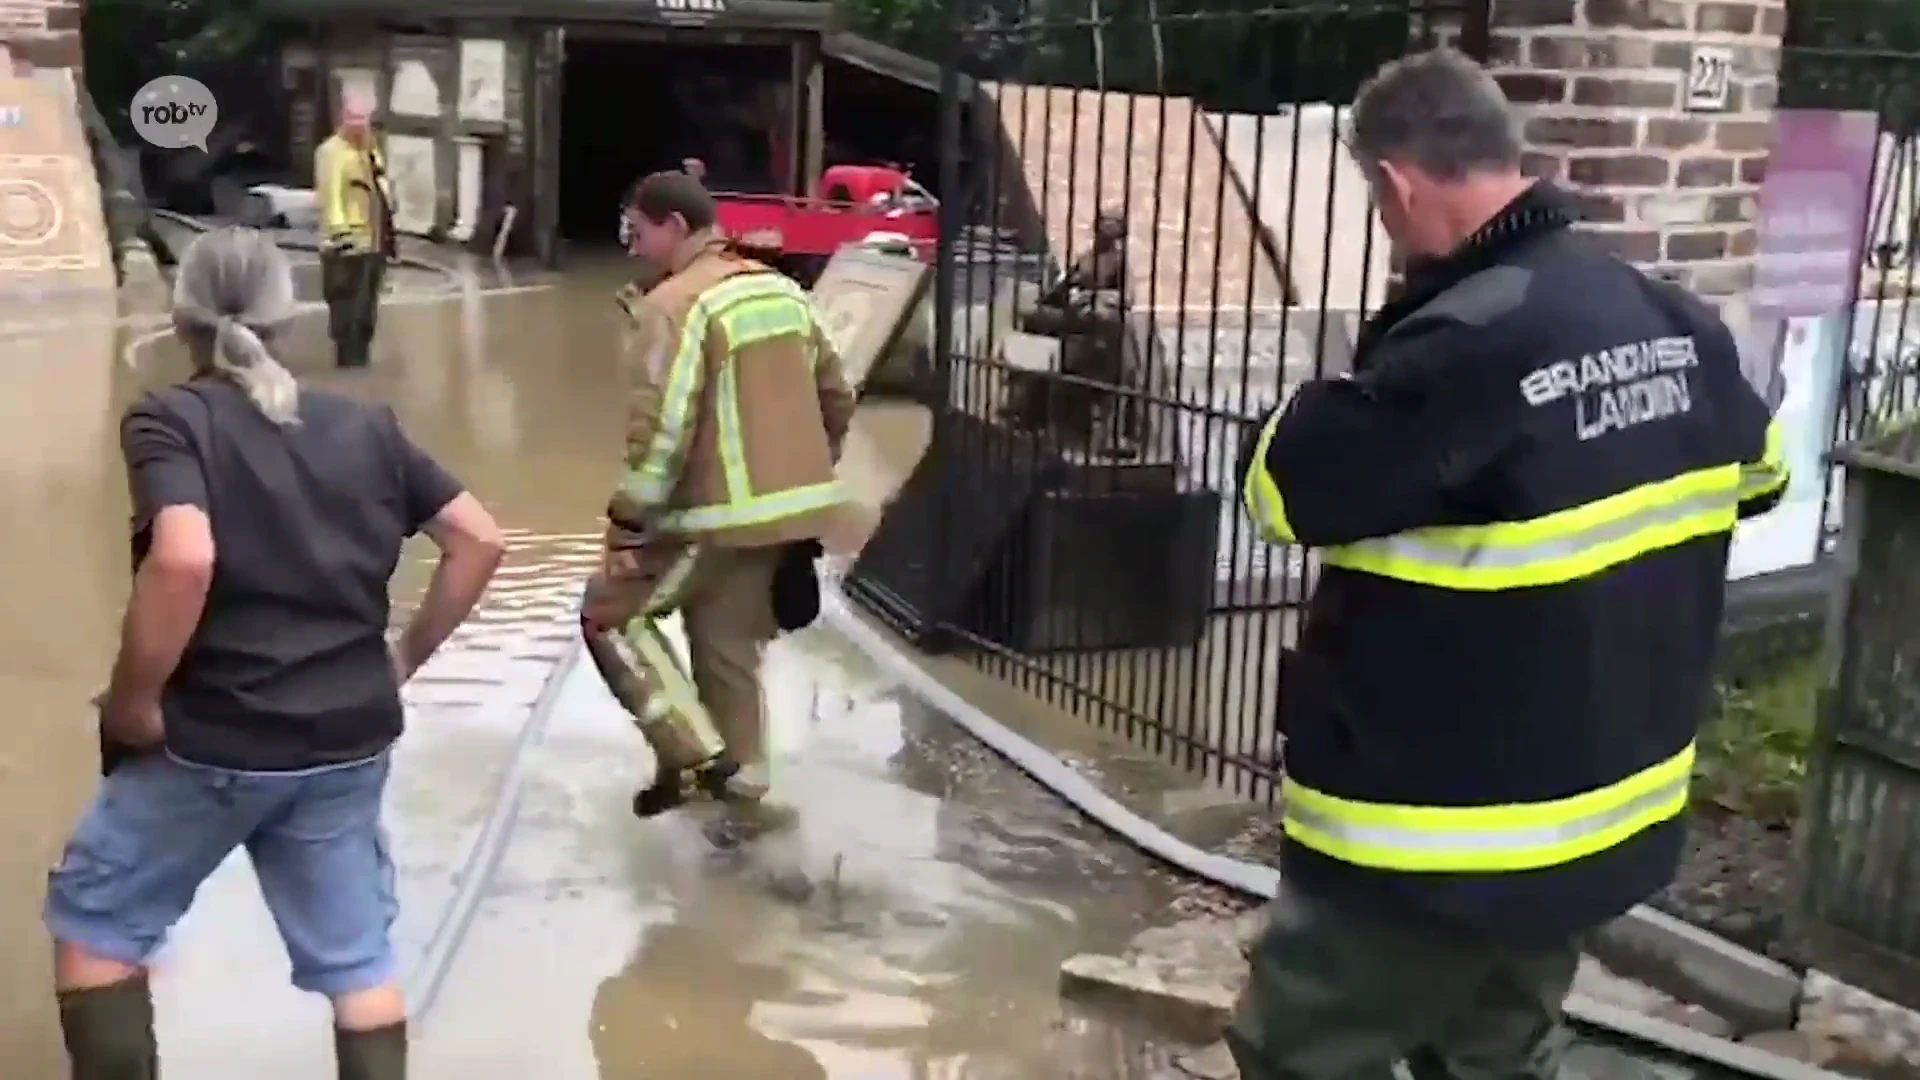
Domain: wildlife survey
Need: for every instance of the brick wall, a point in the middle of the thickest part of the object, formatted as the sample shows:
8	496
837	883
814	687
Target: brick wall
55	237
40	33
1601	85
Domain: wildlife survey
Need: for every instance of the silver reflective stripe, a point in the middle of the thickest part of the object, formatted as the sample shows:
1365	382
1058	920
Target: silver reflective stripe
1407	838
1431	551
1760	479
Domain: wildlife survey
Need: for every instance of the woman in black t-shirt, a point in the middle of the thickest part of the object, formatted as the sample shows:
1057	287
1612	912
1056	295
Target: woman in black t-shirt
255	695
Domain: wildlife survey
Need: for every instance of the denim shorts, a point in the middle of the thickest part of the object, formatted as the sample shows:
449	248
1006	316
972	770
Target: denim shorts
159	827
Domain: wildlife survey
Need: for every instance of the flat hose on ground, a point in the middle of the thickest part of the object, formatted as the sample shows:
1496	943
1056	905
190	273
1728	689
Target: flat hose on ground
1056	775
293	243
1039	763
1611	1022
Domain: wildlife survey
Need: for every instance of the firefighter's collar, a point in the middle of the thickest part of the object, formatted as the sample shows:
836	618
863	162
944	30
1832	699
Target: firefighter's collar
1540	209
695	245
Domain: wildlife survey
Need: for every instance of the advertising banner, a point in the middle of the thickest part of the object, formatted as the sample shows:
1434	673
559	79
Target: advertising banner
1811	224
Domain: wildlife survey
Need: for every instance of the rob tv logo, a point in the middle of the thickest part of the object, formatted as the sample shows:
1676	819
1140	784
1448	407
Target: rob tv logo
172	112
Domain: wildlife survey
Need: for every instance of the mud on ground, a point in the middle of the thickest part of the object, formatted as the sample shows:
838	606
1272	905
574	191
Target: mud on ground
1733	881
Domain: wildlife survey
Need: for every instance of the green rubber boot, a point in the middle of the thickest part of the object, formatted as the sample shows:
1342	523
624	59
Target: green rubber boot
109	1031
375	1054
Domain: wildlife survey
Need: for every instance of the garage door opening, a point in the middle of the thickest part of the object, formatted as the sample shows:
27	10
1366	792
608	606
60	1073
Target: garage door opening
872	118
628	108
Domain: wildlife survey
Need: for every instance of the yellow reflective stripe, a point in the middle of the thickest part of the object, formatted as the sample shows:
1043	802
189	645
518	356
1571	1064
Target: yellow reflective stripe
651	481
1260	496
666	593
1558	547
766	317
1486	839
733	443
1769	474
758	510
777	309
672	687
804	320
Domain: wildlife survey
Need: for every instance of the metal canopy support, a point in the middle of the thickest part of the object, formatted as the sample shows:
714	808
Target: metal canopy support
811	15
550	52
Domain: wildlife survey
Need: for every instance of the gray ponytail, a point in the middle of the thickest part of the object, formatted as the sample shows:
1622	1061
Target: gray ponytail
232	292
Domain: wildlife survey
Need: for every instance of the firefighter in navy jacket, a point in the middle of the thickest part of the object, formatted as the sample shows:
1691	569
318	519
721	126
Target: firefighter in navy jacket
1522	499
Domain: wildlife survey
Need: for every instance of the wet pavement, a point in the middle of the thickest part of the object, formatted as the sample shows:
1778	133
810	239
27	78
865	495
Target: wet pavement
911	925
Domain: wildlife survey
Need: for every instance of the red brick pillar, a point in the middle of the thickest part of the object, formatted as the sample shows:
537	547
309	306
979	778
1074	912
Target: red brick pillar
1603	87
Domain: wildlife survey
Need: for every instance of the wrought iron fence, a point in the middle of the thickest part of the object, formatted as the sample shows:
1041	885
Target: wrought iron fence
1862	809
1834	64
1190	243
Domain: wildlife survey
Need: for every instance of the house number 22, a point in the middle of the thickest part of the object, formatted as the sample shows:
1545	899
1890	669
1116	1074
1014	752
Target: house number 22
1709	78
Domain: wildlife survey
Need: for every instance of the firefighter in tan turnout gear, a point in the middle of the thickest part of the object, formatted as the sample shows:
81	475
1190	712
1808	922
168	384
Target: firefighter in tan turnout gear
737	411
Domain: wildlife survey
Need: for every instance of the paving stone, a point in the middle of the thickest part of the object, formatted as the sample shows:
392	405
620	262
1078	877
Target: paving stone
1187	977
1753	992
1597	981
1193	1009
1859	1026
1214	1062
1797	1045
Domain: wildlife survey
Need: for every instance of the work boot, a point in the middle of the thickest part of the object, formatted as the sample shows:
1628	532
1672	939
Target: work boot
743	821
109	1031
375	1054
719	779
668	790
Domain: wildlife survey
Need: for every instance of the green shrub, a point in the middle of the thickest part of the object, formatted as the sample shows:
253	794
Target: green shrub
1753	750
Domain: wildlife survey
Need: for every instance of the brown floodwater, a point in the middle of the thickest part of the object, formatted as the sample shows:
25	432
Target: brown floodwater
911	925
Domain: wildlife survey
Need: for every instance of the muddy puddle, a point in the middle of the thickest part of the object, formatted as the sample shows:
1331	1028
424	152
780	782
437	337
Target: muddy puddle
910	925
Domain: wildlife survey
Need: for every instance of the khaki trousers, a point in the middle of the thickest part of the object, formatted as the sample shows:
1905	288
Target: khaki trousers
725	598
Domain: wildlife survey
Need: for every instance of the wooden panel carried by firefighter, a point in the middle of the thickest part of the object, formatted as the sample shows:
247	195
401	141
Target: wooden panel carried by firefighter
864	300
52	235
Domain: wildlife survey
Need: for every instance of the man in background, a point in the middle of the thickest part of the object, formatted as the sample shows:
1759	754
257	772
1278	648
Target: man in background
356	231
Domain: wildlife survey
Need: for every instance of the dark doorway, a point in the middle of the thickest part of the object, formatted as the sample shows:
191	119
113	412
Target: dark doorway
631	107
872	118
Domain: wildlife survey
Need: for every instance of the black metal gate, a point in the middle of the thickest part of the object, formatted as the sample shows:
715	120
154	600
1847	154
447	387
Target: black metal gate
1151	233
1861	814
1869	59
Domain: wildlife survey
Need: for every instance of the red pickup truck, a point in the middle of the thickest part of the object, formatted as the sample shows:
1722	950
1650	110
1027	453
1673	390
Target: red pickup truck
850	203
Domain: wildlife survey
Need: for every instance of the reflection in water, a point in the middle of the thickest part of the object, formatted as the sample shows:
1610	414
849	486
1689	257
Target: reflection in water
685	1004
937	892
